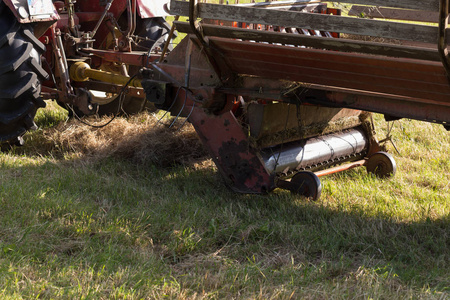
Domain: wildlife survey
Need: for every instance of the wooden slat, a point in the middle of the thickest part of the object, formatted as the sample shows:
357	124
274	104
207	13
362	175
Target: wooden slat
394	14
425	5
343	45
393	30
428	5
277	4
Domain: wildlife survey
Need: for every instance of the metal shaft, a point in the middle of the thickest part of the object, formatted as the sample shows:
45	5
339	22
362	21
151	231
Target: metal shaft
314	151
108	6
81	71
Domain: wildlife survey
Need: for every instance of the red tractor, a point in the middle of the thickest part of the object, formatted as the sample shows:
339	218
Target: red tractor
40	40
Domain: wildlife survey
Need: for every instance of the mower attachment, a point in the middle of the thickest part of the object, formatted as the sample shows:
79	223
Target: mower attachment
274	93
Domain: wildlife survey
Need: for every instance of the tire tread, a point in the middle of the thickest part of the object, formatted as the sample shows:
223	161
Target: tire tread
20	75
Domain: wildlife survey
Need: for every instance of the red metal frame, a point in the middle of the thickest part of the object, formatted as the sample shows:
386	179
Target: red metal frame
135	58
396	87
404	77
241	168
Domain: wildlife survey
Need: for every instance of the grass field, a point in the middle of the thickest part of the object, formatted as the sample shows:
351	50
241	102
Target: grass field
137	211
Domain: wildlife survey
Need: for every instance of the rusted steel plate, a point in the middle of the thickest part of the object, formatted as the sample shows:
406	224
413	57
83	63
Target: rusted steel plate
401	107
404	77
349	80
277	123
188	61
223	136
331	57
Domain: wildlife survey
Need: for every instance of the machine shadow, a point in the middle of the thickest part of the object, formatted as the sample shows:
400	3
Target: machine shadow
327	233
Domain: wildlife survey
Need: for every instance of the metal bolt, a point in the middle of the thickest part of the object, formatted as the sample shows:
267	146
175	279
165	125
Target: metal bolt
23	12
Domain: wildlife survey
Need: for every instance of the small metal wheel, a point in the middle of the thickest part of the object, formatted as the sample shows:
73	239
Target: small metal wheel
381	164
307	184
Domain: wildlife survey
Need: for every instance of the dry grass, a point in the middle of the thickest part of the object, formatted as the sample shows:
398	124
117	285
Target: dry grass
141	138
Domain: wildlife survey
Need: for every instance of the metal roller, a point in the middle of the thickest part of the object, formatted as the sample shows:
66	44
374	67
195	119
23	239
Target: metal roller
315	151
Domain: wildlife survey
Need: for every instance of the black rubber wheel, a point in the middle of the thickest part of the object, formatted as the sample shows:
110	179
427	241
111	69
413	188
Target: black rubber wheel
20	78
306	184
156	30
382	165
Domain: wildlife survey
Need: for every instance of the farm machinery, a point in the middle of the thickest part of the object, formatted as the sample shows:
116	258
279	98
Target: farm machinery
280	93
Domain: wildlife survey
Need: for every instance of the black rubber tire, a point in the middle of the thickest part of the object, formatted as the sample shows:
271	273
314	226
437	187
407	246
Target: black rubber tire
382	165
156	30
307	184
20	78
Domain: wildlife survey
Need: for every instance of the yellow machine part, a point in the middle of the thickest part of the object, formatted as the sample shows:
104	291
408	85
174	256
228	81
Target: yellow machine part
81	71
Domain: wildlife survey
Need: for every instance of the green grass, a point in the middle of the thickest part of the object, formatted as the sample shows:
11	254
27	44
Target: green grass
74	227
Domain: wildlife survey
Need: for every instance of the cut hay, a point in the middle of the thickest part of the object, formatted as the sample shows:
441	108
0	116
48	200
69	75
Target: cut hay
139	138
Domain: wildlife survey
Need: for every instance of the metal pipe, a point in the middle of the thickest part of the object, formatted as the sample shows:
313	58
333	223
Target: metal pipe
134	16
108	6
61	64
314	151
337	169
131	14
61	47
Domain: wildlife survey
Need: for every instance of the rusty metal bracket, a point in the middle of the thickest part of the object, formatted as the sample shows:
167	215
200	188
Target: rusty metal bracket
213	54
442	41
195	25
61	64
237	161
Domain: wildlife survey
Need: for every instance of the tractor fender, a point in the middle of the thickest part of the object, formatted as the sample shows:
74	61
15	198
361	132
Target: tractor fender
41	12
33	11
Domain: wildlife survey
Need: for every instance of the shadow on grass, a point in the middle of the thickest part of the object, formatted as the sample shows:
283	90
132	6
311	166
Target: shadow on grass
74	207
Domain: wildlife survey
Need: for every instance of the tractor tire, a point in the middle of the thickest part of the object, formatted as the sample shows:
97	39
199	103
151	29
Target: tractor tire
156	30
20	76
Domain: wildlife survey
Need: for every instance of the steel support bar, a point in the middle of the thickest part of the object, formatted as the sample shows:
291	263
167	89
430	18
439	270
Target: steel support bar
341	168
135	58
401	107
241	168
112	88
